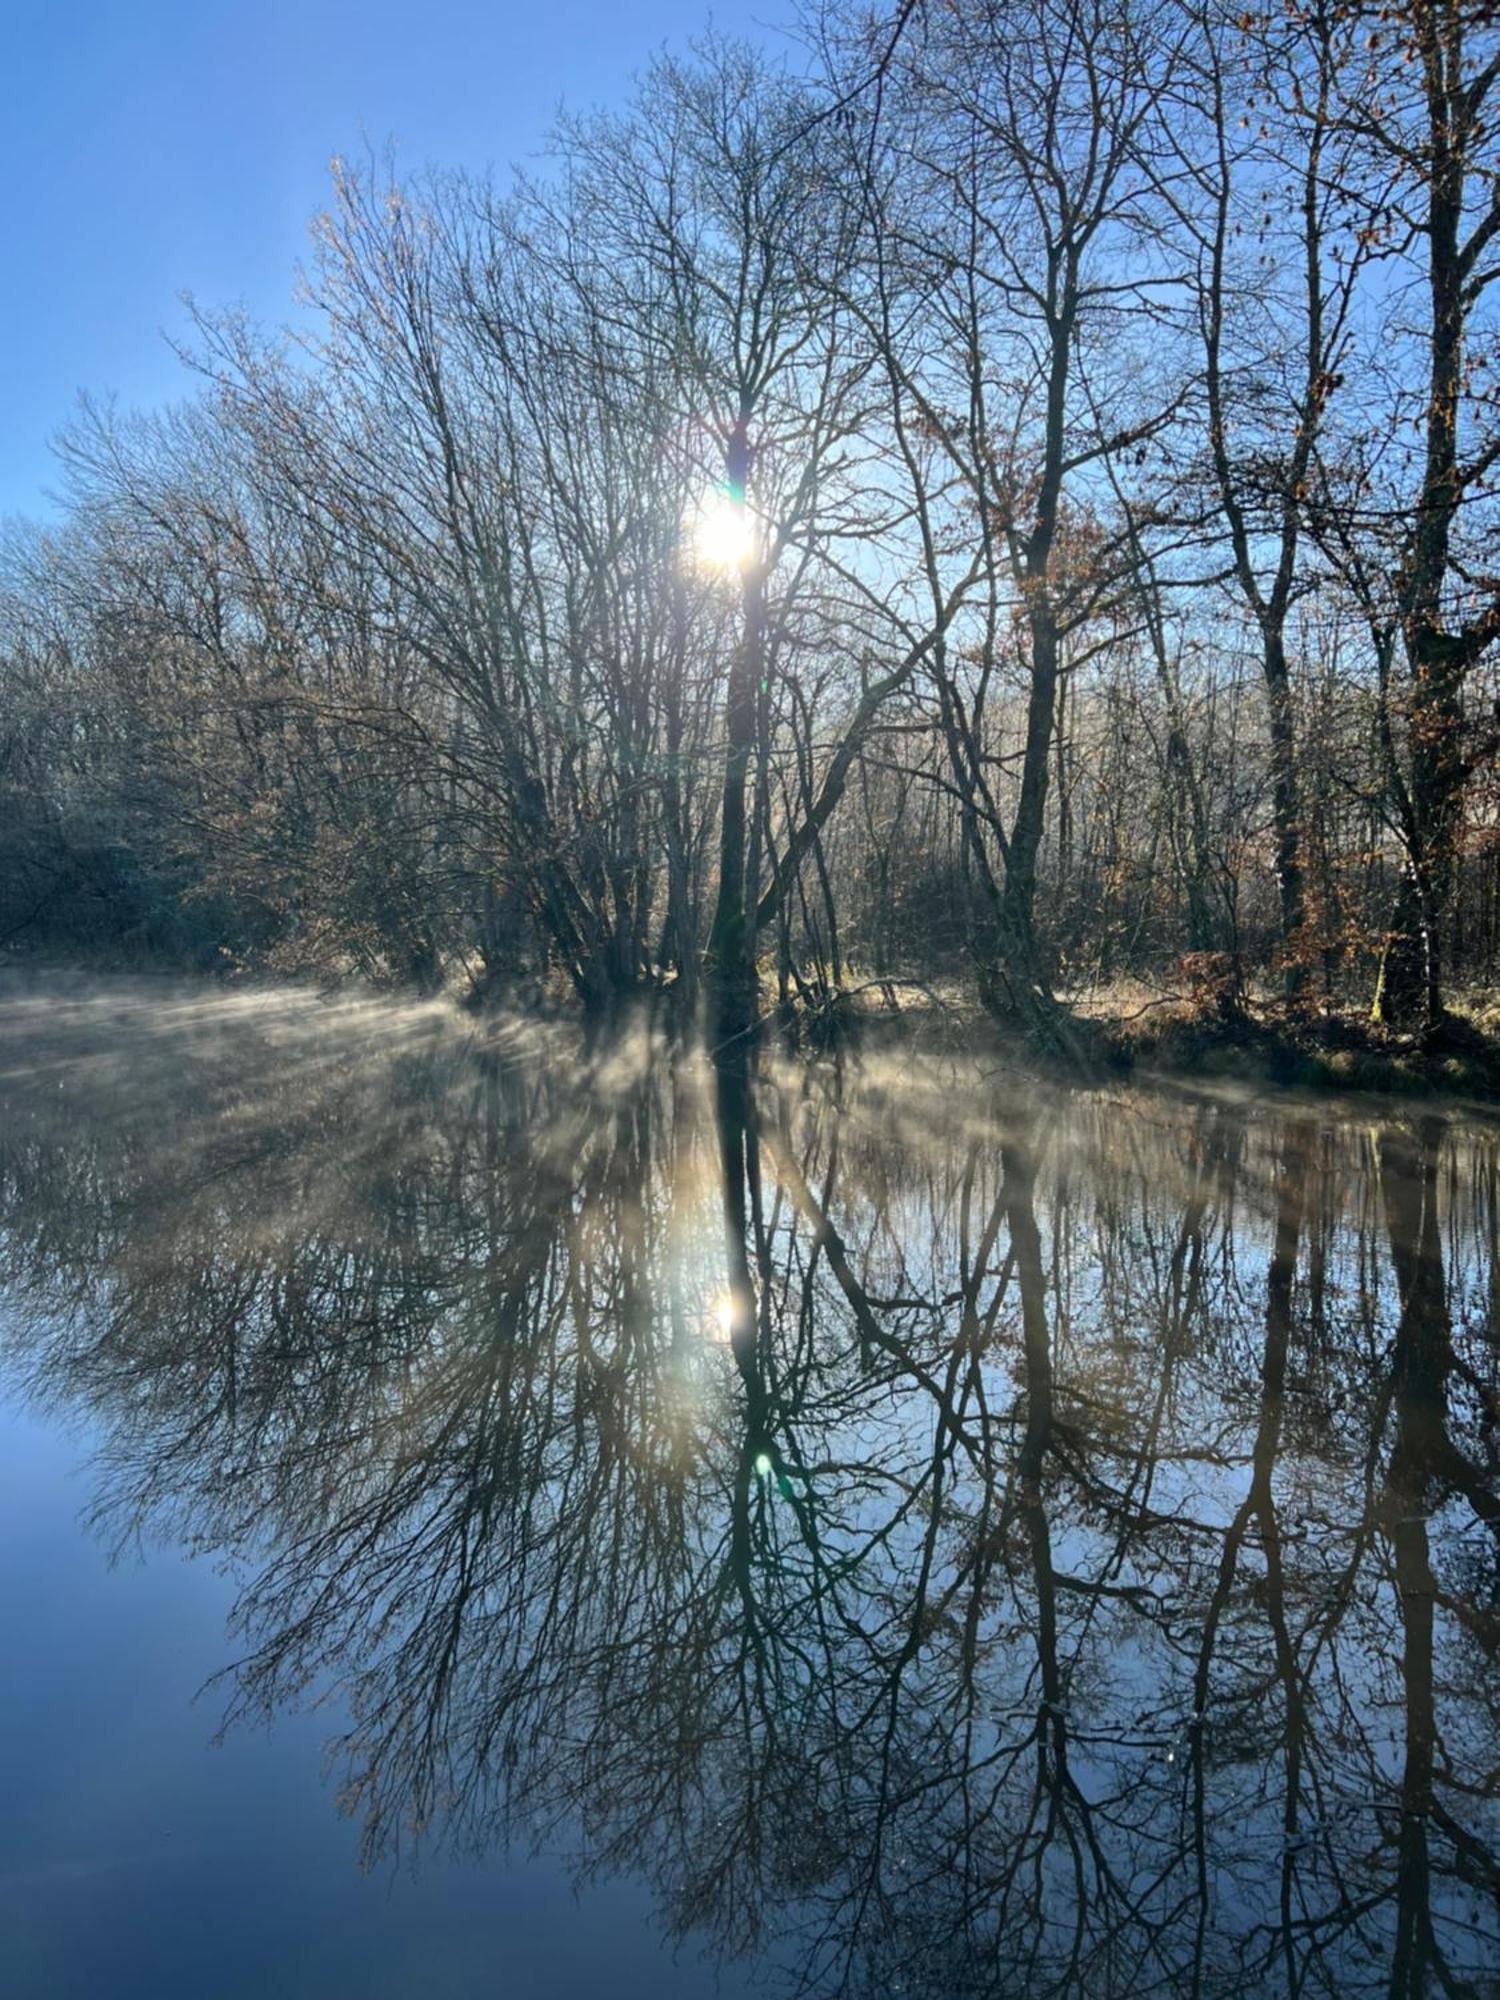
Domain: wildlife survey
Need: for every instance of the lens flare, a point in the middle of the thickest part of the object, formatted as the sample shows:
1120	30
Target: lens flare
721	534
721	1316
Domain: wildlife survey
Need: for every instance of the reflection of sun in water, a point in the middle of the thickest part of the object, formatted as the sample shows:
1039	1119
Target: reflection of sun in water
722	534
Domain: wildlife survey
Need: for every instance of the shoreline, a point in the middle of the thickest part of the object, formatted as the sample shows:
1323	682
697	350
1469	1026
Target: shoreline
1328	1049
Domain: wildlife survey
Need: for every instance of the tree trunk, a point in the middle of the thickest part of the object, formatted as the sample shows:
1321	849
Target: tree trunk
1031	809
731	943
1285	809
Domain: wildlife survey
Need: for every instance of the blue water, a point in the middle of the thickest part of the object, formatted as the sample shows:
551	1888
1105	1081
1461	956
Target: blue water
140	1861
1085	1585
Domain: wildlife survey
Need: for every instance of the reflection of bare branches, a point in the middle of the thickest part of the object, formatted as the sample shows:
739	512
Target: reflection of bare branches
1078	1577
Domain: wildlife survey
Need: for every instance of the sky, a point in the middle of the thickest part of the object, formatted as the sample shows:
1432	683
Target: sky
154	147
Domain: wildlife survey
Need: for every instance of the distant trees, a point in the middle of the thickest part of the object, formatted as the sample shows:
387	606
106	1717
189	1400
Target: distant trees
1018	257
1011	503
1274	271
1407	514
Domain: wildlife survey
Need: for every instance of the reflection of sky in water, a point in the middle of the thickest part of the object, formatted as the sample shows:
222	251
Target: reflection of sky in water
138	1861
1093	1578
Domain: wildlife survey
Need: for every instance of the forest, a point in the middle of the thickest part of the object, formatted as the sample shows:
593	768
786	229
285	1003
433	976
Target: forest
649	867
1000	504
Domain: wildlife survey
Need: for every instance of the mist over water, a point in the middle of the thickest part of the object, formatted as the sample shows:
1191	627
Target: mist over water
1084	1582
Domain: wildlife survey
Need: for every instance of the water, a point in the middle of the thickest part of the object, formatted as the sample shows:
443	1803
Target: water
1084	1582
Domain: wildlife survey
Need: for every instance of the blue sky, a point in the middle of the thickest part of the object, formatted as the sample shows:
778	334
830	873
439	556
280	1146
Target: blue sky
152	147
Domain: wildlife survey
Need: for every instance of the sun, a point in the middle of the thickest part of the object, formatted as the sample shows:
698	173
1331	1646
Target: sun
721	534
721	1316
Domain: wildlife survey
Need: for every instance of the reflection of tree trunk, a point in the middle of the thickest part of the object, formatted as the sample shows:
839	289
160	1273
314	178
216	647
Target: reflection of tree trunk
1408	1185
739	1175
737	1163
1408	1179
1291	1201
1259	1505
1426	1468
1415	1587
1018	1159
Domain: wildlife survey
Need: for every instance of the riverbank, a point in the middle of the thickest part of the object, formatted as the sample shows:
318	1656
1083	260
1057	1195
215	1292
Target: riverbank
1123	1030
1325	1050
1129	1029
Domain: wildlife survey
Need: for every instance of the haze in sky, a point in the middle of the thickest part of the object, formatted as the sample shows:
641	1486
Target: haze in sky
167	147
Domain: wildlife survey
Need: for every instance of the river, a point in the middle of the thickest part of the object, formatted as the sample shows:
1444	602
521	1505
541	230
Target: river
1082	1579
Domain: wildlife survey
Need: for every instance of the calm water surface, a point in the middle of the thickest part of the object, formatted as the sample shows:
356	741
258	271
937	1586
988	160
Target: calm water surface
1085	1582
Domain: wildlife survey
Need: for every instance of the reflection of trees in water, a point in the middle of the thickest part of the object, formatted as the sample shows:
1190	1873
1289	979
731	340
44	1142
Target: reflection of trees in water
1084	1579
